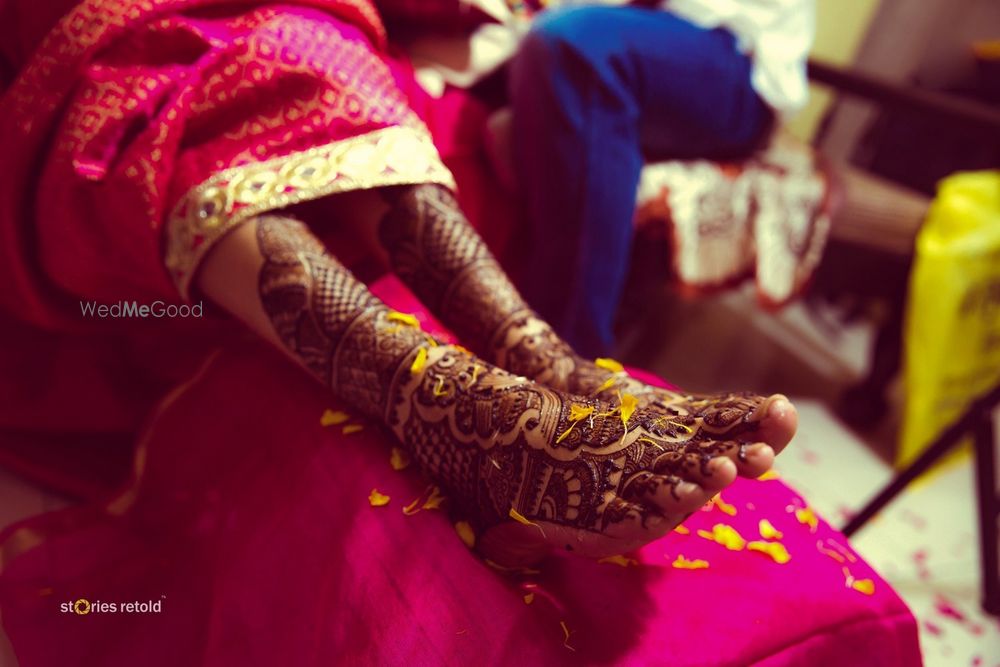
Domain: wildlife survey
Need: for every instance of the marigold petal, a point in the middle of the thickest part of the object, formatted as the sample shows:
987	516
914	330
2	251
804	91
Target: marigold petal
333	417
682	563
520	518
403	318
683	530
580	412
628	405
352	428
465	533
609	364
413	507
807	517
419	361
399	459
725	507
377	499
866	586
776	550
770	474
767	531
529	598
607	384
434	501
725	535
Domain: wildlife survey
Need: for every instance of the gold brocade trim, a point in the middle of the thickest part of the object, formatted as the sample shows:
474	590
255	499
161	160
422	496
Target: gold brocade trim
389	156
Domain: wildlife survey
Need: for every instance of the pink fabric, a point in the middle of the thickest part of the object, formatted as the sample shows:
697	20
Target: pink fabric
250	522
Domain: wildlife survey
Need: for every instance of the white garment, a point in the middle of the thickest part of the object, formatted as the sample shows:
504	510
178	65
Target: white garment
776	34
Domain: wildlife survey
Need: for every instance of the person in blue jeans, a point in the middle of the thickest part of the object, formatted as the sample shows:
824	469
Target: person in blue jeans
596	90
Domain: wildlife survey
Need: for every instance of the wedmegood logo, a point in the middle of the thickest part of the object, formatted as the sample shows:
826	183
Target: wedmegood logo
134	309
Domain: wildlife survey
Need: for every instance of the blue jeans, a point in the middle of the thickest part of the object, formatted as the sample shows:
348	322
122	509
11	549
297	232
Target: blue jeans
595	90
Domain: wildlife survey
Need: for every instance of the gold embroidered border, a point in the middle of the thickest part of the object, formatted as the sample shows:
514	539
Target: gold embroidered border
389	156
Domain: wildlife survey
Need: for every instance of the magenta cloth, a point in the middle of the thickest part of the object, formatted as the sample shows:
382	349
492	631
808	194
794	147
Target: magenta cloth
250	523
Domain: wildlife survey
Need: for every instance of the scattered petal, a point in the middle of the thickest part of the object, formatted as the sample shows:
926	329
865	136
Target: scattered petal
607	384
578	412
776	550
683	530
529	598
439	387
723	505
352	428
866	586
419	361
830	552
618	559
566	634
767	531
465	533
377	499
724	535
807	517
682	563
628	405
769	475
609	364
403	318
434	500
333	418
520	518
413	507
399	459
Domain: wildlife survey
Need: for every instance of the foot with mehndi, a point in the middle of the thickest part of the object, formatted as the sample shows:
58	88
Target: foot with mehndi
528	346
533	468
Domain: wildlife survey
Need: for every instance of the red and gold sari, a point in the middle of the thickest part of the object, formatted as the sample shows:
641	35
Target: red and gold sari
136	134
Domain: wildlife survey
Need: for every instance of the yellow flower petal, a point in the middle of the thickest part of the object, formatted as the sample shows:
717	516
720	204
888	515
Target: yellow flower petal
520	518
377	499
767	531
413	507
776	550
403	318
724	535
333	418
434	501
465	533
607	384
723	505
618	559
352	428
529	598
682	563
439	387
399	459
628	405
866	586
683	530
807	517
566	634
609	364
419	361
770	474
580	412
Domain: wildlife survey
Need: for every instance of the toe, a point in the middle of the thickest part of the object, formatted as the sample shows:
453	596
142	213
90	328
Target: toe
670	495
778	421
712	476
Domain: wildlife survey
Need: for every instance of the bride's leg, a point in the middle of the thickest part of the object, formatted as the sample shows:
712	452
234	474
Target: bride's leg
437	253
591	476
